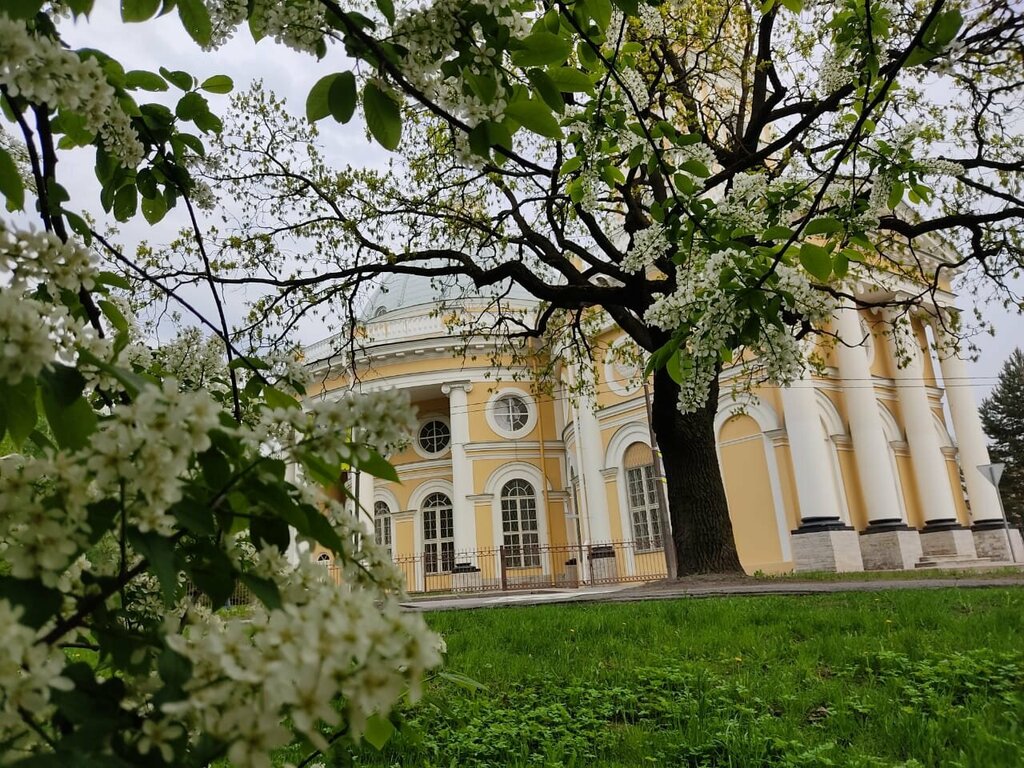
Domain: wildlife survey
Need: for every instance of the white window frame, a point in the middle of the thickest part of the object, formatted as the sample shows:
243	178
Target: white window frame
645	510
419	428
520	551
439	549
492	412
382	533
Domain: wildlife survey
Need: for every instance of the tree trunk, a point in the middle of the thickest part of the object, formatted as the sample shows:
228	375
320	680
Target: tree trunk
701	528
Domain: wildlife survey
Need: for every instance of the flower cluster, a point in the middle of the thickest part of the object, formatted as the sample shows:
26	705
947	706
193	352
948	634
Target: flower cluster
649	245
29	671
299	24
744	205
40	70
705	304
146	446
326	641
440	33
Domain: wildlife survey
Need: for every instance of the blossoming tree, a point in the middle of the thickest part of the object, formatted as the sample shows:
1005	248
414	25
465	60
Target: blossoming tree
160	482
714	179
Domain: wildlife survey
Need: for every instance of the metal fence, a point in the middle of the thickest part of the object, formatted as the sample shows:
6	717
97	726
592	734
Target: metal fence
531	567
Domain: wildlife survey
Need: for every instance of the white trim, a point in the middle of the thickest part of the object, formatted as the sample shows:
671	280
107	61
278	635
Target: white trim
766	418
531	412
518	470
623	438
834	428
894	436
612	374
422	420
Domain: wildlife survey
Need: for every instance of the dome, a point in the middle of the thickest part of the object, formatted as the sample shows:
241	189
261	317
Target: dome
403	291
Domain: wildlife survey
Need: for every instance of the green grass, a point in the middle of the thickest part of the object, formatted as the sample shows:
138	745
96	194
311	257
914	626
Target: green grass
923	574
931	678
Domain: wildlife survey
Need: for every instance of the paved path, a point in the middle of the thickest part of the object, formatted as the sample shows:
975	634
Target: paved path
695	588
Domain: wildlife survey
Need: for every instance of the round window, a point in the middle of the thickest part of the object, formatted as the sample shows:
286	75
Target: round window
434	436
511	413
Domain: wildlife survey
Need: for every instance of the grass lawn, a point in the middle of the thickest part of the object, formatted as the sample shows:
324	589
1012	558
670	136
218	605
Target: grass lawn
932	678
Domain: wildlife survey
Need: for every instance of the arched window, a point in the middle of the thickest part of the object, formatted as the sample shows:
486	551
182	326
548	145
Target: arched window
642	496
382	524
438	534
325	559
519	524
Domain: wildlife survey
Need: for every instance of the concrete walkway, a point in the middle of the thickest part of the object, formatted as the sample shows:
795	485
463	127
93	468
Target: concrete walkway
703	587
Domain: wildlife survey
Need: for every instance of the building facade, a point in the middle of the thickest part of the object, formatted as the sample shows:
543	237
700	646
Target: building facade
502	485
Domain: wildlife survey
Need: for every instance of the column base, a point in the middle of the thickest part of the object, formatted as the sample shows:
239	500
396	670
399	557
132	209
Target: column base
994	540
835	549
890	546
948	538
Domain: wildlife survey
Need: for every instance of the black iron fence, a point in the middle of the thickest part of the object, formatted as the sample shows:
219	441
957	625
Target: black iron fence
532	567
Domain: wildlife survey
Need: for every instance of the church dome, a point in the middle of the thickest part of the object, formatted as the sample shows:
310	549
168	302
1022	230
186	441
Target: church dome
405	291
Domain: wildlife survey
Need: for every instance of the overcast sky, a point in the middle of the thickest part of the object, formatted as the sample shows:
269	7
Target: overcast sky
290	75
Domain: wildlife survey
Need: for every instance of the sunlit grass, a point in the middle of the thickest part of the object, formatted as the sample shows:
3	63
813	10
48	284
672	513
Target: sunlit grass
860	679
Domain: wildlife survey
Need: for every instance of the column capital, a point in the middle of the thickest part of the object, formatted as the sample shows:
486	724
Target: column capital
465	386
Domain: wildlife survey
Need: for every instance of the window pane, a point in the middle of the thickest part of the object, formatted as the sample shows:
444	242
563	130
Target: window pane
434	436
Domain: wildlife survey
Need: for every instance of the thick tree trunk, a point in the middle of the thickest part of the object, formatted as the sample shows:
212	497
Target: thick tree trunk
701	529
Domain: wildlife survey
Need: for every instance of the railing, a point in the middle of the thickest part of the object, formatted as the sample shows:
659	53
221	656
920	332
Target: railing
532	567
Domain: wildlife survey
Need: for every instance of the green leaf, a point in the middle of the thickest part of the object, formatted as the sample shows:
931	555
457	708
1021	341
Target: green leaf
11	185
571	80
154	208
162	560
217	84
379	730
383	116
535	116
72	420
265	590
277	399
126	201
895	194
825	225
182	80
570	165
547	89
816	260
317	102
463	681
695	168
138	10
140	79
175	670
674	367
39	603
342	97
777	233
387	7
195	17
378	466
22	9
191	105
271	530
600	11
840	264
541	48
19	401
114	315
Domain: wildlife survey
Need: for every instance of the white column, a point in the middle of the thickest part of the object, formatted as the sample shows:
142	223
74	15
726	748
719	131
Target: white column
812	466
929	465
365	496
970	437
462	470
874	470
591	451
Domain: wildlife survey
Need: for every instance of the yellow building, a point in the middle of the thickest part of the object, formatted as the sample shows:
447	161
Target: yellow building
503	487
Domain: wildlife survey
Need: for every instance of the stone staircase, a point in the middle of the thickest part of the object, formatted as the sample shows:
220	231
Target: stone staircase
958	562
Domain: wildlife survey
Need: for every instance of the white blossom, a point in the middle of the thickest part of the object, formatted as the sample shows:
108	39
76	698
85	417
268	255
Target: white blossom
649	245
38	69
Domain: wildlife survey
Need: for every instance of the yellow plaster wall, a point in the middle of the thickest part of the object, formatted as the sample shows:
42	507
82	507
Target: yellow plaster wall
911	500
953	469
614	513
748	491
485	534
404	544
